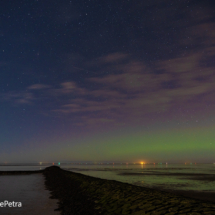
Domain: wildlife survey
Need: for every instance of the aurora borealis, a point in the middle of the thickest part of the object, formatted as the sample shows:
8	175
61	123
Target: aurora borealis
107	80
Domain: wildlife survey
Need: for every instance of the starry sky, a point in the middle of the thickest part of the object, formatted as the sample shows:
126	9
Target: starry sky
92	80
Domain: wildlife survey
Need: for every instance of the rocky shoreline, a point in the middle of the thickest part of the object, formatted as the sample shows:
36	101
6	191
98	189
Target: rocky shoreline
81	194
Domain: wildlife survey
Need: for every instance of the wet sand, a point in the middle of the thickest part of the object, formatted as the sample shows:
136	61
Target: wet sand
81	194
198	176
29	189
200	195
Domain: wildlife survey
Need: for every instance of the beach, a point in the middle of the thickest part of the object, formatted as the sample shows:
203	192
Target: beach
65	192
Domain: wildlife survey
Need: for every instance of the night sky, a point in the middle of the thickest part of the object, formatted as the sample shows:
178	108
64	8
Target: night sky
116	80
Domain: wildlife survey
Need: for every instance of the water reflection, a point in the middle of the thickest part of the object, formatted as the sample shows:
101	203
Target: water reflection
165	176
187	176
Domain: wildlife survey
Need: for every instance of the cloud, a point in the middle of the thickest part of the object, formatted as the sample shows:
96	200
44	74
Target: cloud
130	93
18	98
25	98
124	86
38	87
68	88
113	57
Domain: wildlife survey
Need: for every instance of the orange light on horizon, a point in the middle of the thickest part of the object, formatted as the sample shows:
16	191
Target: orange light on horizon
142	163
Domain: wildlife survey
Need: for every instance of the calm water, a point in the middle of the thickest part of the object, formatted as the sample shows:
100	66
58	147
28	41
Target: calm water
196	177
30	191
199	177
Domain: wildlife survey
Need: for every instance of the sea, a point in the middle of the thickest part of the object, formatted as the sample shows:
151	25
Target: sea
186	176
190	180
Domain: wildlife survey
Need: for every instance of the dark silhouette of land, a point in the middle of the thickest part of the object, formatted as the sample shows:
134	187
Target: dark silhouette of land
81	194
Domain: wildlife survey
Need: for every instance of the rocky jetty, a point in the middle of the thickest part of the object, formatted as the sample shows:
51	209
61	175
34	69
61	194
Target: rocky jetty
81	194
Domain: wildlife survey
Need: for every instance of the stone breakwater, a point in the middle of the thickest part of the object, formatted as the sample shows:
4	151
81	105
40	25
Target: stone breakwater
81	194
